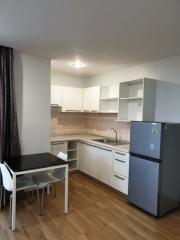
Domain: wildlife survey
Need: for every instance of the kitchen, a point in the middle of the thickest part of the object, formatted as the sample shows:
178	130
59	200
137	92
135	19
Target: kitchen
93	129
90	120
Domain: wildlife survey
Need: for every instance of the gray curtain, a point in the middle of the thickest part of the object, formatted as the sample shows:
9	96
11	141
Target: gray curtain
9	137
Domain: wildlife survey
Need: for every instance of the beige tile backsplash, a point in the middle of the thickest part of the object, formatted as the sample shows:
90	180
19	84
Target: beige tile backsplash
91	123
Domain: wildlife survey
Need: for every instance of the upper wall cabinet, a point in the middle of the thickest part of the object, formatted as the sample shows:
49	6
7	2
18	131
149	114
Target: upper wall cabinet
71	99
91	97
56	95
137	100
76	99
109	96
68	98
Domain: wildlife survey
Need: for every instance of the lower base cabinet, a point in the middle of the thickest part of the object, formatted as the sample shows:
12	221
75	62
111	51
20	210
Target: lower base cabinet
98	162
120	183
87	159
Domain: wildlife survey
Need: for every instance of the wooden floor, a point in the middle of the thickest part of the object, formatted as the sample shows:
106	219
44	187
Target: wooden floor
96	212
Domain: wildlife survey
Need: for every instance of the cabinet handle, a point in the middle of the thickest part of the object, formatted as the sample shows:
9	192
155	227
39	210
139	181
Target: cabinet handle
122	154
109	150
69	110
120	160
57	143
119	177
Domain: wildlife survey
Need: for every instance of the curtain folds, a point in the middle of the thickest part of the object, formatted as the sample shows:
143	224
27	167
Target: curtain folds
9	137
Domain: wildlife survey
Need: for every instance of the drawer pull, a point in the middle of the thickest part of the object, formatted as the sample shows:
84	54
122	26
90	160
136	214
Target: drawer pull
122	154
120	160
119	177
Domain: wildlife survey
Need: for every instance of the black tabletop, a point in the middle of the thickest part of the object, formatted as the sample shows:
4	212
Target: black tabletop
33	161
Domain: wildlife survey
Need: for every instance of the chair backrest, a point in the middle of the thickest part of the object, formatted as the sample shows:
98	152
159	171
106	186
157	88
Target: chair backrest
6	178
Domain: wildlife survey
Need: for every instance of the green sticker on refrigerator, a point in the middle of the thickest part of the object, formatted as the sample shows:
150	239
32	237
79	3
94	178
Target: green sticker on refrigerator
154	132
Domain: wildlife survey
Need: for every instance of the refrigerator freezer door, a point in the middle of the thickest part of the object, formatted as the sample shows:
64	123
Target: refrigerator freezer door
146	139
144	184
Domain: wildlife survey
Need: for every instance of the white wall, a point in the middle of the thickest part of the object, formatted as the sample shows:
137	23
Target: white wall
32	85
66	80
165	69
167	102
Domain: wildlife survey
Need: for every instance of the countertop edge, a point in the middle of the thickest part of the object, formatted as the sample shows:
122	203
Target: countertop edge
91	141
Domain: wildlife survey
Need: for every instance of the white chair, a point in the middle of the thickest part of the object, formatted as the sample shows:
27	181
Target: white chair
45	179
22	183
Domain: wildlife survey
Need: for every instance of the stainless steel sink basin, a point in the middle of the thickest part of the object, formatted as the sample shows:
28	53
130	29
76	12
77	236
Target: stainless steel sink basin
110	141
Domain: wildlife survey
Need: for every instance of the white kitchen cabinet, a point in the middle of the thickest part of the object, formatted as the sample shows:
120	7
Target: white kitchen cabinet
137	100
86	100
87	161
104	164
96	161
58	146
120	173
91	98
109	96
121	163
120	183
71	99
68	147
56	95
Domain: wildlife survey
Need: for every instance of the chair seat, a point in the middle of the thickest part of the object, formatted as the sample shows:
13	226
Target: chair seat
43	179
57	174
23	183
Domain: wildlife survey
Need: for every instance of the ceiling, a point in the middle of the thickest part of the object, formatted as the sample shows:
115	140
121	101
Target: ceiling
104	34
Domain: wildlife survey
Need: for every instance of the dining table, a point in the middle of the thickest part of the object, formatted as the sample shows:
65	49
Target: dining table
31	164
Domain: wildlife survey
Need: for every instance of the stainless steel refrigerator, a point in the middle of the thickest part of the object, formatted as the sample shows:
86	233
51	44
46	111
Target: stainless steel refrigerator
154	170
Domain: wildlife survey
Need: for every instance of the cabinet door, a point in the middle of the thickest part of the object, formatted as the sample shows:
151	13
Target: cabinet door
94	98
120	183
56	95
72	99
96	161
86	100
91	98
104	159
121	163
87	159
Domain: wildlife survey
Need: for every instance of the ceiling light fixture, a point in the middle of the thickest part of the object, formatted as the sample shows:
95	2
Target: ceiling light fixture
78	65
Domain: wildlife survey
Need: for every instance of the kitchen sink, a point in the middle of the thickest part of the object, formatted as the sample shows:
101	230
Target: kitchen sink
110	141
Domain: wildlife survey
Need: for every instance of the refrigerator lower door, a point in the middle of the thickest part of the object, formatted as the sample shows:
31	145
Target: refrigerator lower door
144	184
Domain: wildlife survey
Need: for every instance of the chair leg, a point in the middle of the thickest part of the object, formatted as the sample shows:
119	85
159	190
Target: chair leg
55	190
1	198
48	189
38	198
32	195
10	212
4	197
42	202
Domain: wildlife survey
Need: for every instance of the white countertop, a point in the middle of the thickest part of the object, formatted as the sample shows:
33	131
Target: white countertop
89	138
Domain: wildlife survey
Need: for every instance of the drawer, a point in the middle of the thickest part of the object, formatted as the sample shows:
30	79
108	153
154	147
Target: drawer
121	155
120	183
57	147
121	166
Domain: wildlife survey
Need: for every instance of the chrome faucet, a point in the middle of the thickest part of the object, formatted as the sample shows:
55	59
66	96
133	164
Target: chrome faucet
116	134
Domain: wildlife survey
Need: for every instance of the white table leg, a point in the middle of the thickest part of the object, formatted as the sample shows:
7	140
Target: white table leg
14	203
66	190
